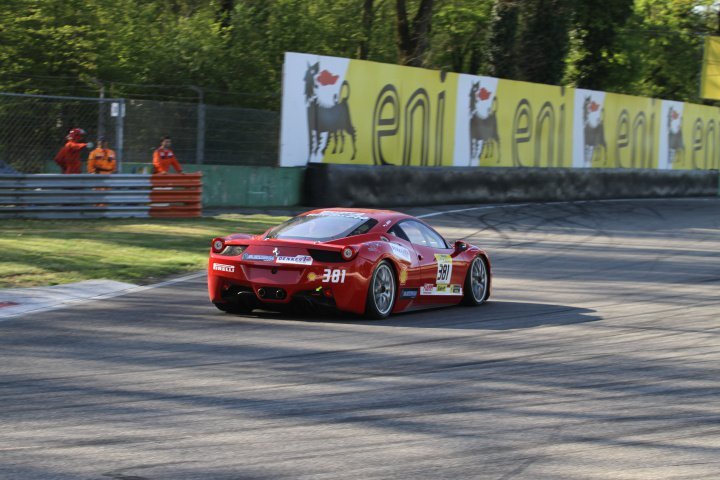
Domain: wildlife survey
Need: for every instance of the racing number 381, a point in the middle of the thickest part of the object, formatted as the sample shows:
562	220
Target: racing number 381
333	275
443	275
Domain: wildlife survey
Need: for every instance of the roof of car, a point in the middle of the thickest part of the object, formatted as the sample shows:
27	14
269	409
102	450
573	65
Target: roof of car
379	215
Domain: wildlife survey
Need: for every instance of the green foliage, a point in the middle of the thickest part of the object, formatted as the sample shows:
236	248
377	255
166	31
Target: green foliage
502	49
594	32
41	40
668	55
543	40
650	48
233	49
459	38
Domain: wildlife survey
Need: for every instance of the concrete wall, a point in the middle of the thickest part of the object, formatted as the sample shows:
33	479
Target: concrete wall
349	185
358	185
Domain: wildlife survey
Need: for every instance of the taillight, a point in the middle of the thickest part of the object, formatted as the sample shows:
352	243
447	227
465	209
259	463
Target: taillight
348	253
217	245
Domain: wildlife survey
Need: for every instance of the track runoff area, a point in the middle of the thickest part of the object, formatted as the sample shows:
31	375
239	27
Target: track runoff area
597	357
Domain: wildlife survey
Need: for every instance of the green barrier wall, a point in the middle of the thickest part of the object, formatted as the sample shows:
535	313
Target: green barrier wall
236	186
242	186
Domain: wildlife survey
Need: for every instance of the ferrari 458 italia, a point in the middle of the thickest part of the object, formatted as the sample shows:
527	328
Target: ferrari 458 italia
367	262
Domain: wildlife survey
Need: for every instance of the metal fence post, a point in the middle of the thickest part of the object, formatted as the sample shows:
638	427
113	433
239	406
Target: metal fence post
101	107
201	134
119	132
200	142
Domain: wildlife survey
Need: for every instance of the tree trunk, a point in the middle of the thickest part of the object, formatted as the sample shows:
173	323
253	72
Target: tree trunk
226	9
502	56
413	40
367	23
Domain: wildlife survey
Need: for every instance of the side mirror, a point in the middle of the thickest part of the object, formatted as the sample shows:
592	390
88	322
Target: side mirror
460	246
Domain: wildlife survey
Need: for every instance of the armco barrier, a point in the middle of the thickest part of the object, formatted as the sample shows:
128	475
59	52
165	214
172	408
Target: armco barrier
100	196
350	185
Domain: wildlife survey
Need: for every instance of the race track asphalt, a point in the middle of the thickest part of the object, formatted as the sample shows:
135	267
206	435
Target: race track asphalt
598	357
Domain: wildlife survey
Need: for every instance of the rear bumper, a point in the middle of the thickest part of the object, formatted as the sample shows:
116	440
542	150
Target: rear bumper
290	288
300	302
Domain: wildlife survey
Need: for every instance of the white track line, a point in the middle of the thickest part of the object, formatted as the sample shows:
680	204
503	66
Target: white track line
21	309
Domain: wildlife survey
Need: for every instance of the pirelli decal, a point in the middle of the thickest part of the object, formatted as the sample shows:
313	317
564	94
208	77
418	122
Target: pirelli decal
221	267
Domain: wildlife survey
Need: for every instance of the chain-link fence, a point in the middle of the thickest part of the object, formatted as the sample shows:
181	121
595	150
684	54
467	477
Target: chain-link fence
33	128
201	133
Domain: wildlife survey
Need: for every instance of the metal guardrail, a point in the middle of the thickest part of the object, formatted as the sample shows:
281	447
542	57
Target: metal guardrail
100	196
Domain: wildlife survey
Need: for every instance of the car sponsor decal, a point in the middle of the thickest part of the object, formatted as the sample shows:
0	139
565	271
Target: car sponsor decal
223	268
429	289
355	215
444	268
401	252
403	276
296	260
336	275
409	293
312	276
258	258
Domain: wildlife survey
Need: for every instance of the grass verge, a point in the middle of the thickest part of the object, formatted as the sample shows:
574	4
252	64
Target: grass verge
142	251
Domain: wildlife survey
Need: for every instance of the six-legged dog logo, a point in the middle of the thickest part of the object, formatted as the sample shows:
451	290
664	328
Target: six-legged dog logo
484	137
326	121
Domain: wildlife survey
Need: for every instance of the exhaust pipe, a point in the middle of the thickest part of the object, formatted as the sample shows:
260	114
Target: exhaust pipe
261	292
280	294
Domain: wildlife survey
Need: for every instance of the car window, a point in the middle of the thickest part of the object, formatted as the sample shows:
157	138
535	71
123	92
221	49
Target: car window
397	231
420	234
413	233
323	226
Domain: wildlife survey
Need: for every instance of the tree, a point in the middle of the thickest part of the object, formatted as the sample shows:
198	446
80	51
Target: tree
413	39
460	38
543	40
595	28
42	46
658	51
502	54
367	20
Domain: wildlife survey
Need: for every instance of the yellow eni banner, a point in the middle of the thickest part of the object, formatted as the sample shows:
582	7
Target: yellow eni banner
337	110
710	76
689	137
505	123
615	131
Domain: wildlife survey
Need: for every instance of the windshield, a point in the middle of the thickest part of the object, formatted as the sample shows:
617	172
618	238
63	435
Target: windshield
323	226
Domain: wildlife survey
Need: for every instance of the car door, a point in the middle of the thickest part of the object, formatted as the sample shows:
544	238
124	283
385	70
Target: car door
439	281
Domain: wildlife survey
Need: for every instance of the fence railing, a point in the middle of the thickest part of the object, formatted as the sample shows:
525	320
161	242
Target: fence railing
100	196
33	128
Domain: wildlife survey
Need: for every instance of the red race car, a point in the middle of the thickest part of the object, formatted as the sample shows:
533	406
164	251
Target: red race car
368	262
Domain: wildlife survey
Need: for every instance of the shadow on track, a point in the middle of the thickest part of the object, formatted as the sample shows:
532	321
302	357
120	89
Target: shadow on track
491	316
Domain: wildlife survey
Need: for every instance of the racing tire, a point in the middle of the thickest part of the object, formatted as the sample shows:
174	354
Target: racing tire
477	283
382	292
234	308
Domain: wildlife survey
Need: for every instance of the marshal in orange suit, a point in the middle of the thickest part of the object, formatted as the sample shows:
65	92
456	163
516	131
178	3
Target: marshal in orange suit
164	158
